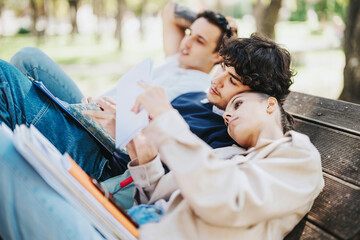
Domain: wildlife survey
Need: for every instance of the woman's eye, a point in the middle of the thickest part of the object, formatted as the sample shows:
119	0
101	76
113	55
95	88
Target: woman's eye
237	104
200	41
232	81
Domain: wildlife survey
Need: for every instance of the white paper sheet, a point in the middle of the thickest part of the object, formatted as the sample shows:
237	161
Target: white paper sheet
129	124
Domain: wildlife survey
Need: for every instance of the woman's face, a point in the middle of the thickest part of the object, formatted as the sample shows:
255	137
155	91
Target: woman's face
244	116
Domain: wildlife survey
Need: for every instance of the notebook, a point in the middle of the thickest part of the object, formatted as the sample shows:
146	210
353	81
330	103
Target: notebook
70	181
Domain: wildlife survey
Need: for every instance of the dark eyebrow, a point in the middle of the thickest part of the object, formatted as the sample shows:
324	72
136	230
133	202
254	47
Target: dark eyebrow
234	76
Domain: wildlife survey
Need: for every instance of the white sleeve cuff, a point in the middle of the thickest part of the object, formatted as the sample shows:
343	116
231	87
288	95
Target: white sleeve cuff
147	174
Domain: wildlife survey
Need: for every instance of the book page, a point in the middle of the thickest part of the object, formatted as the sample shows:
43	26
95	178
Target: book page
129	124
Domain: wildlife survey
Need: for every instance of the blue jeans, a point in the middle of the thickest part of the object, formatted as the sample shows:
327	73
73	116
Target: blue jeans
36	64
22	103
144	214
29	208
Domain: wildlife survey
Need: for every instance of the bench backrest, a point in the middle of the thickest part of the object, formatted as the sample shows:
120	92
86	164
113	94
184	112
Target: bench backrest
334	128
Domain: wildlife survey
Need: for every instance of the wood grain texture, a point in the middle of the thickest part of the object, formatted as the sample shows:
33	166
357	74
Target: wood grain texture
334	128
341	114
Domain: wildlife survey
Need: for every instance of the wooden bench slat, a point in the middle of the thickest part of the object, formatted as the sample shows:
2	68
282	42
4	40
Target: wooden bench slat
308	231
337	209
340	152
333	112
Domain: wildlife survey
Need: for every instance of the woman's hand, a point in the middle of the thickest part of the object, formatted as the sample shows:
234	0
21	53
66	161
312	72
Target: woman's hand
106	117
142	148
154	100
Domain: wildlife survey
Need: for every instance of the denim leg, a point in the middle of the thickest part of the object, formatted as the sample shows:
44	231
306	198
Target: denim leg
23	103
30	208
144	214
36	64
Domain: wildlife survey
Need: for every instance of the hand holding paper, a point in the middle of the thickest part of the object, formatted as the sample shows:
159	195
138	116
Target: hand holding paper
135	98
154	100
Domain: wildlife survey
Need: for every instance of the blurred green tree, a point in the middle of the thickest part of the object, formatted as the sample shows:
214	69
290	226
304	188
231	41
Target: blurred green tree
325	9
99	9
300	11
37	9
2	5
351	91
74	6
121	8
139	9
143	8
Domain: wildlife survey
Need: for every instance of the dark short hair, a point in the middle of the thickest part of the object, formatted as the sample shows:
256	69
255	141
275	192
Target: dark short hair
262	64
220	21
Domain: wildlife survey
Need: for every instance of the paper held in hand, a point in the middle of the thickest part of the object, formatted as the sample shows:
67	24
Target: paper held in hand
129	124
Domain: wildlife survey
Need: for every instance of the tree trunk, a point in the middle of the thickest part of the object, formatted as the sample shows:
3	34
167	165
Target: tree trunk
74	4
119	15
34	16
142	18
266	18
351	91
258	12
98	9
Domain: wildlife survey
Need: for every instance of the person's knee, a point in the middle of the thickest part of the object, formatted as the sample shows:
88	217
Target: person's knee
26	59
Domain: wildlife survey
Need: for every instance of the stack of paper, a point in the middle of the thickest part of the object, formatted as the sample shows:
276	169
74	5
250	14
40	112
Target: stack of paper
67	178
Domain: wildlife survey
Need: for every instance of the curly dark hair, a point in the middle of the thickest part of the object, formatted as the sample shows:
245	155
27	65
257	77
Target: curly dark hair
262	64
227	30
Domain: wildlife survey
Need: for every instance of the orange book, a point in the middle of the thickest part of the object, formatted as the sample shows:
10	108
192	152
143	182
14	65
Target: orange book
87	183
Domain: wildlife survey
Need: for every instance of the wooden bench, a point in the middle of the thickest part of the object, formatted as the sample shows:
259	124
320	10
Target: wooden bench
334	128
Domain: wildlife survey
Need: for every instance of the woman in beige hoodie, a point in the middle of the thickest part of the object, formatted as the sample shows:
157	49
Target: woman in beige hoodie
258	191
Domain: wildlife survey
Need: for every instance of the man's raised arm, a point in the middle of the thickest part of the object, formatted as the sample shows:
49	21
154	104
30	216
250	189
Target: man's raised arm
176	18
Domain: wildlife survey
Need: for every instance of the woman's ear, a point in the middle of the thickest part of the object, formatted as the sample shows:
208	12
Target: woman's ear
272	105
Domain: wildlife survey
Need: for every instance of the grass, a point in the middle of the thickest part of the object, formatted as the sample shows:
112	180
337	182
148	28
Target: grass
65	49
